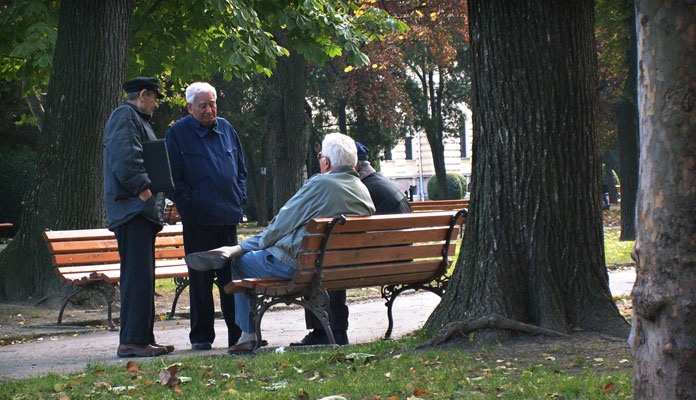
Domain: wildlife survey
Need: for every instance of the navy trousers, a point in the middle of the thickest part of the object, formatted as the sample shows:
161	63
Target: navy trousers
202	238
136	247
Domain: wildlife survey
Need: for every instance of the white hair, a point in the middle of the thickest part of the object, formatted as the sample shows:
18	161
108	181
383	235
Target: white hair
196	88
340	150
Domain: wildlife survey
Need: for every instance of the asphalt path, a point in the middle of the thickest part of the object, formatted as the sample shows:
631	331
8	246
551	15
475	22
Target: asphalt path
63	352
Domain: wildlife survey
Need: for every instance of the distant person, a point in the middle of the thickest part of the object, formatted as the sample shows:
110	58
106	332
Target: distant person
134	214
210	178
388	199
272	253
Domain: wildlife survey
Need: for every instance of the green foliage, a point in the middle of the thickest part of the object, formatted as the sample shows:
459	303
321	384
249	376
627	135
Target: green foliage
609	175
28	30
455	187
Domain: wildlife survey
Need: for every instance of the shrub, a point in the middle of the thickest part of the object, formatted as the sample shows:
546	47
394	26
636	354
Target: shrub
455	187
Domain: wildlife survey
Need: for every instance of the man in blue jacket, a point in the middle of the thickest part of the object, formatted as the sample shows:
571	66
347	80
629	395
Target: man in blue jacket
134	214
210	178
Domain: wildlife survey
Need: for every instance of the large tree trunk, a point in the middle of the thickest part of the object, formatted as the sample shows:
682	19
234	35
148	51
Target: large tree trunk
66	192
626	112
533	246
290	146
663	337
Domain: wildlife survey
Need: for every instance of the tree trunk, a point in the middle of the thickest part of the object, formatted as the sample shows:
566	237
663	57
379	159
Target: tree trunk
434	131
533	246
66	192
663	337
290	146
626	111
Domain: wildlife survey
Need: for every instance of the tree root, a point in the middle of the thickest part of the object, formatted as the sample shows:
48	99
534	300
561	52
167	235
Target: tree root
462	328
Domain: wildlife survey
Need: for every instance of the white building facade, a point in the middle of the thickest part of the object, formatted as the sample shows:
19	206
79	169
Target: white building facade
410	163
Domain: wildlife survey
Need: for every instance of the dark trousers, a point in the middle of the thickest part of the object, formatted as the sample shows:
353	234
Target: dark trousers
202	238
136	247
338	313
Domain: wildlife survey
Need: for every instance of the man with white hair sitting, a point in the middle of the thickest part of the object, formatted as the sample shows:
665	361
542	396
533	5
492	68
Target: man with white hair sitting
272	253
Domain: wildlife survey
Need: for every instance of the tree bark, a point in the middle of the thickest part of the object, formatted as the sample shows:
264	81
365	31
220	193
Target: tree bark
88	68
291	137
533	246
626	112
663	336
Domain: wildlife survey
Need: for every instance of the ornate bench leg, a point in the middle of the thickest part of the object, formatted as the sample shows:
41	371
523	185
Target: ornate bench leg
108	291
68	291
390	293
181	284
317	302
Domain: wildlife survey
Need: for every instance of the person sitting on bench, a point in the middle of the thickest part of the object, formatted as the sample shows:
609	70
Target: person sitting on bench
272	253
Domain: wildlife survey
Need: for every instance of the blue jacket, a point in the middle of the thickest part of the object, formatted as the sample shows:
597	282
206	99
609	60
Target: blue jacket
208	171
124	171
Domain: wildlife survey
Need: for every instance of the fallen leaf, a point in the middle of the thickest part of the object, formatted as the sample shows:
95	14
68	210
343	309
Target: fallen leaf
132	366
303	395
610	387
419	392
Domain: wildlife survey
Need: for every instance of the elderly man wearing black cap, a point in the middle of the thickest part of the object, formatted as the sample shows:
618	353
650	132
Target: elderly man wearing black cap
134	214
388	199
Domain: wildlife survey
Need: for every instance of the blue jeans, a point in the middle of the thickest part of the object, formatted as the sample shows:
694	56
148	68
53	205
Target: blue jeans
255	264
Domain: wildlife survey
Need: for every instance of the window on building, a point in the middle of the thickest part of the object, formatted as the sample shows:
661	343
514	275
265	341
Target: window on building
462	140
409	147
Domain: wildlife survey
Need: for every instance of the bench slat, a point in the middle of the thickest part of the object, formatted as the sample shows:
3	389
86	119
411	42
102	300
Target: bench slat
378	238
372	255
373	223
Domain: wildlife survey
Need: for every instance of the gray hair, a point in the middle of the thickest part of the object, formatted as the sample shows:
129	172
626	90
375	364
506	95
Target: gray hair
196	88
340	150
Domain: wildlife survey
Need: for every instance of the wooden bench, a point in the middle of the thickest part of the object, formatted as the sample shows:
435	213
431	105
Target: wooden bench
89	258
397	252
171	215
439	205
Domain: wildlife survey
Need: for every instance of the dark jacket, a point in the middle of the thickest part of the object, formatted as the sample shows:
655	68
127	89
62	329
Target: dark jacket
209	172
386	195
124	171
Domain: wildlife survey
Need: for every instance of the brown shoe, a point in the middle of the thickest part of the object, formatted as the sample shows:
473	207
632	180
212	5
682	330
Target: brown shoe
242	348
140	350
167	347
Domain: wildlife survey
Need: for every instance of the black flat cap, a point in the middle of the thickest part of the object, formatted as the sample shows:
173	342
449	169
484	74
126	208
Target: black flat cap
135	85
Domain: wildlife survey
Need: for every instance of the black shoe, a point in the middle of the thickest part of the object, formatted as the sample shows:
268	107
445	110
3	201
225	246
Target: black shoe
341	337
201	346
313	338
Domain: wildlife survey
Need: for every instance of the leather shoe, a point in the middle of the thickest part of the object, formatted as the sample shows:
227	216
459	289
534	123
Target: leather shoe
201	346
167	347
242	348
212	259
313	338
139	350
318	337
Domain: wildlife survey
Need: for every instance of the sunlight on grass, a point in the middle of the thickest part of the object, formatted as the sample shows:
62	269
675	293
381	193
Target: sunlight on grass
617	253
382	369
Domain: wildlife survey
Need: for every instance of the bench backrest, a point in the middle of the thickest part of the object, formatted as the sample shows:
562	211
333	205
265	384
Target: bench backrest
381	249
75	253
171	214
439	205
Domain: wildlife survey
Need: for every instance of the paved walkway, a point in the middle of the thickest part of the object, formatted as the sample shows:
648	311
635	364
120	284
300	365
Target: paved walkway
66	353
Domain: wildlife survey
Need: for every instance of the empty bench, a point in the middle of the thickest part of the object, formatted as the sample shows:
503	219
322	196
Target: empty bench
396	252
89	258
439	205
